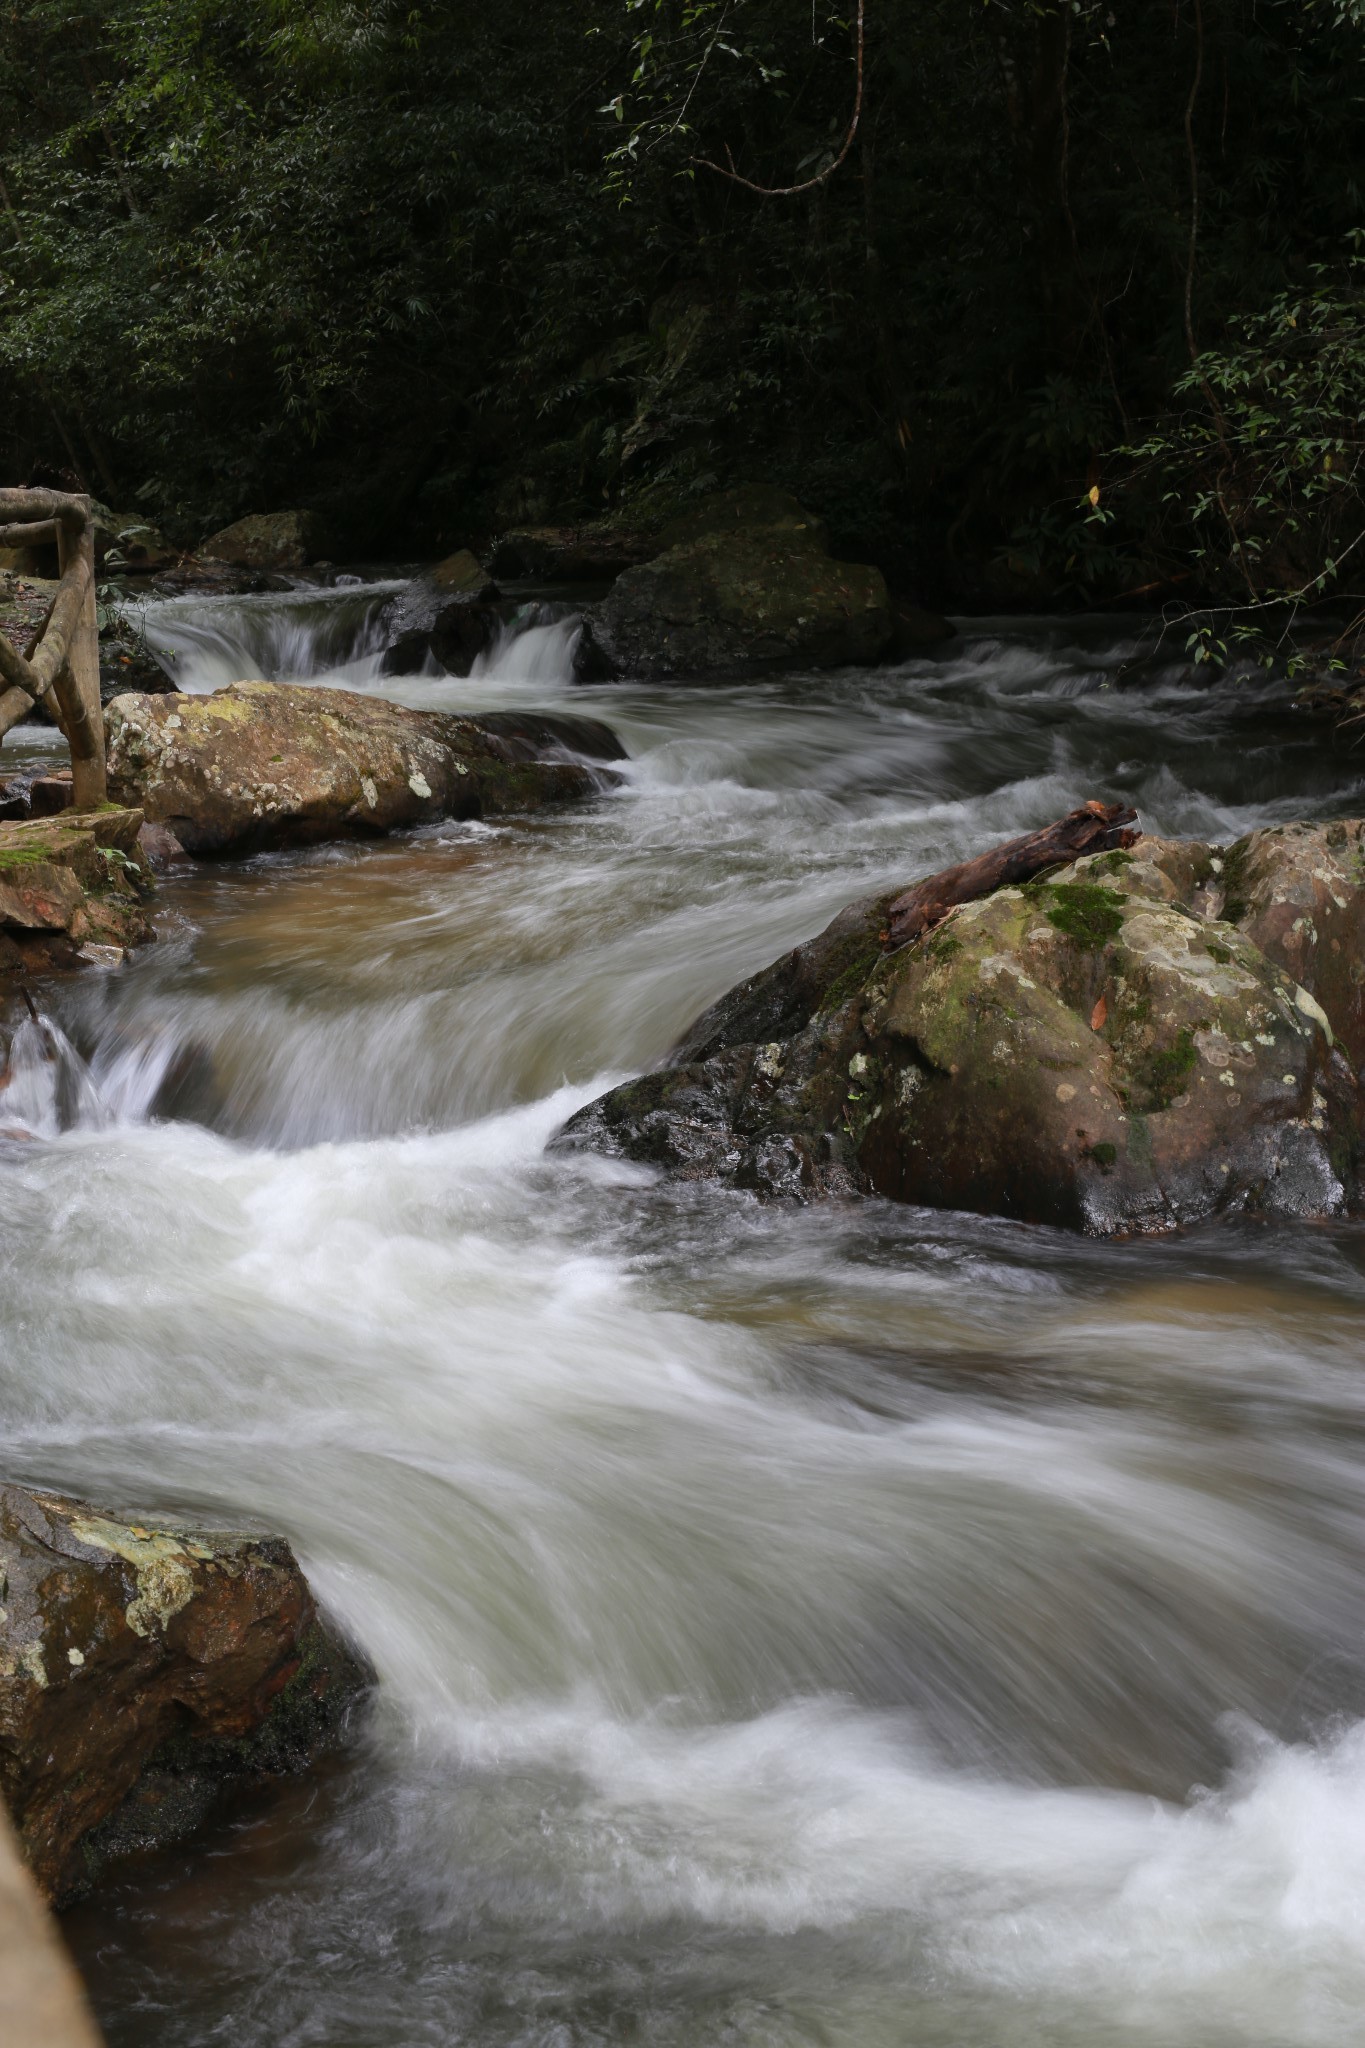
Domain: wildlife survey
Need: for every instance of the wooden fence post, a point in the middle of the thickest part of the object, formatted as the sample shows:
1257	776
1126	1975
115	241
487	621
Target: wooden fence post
85	733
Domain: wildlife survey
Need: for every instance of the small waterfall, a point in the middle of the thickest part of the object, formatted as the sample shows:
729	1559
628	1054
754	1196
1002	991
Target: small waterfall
305	635
536	646
46	1087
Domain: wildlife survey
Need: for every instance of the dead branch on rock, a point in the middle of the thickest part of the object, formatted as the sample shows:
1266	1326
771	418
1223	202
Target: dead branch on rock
1095	828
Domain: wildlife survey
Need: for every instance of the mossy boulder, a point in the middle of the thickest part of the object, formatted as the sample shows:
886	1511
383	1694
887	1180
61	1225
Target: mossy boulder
460	575
266	540
282	764
77	875
1100	1050
147	1665
743	602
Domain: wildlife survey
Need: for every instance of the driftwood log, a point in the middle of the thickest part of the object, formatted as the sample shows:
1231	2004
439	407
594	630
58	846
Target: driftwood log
1094	828
64	665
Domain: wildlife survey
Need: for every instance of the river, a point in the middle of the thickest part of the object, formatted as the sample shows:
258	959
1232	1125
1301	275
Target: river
860	1627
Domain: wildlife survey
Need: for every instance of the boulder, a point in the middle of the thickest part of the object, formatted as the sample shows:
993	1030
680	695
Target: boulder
599	550
742	602
445	618
283	764
1101	1049
148	1665
70	881
266	540
462	575
594	551
1296	890
454	635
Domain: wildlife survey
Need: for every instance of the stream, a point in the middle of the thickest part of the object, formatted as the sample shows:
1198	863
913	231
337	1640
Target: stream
862	1627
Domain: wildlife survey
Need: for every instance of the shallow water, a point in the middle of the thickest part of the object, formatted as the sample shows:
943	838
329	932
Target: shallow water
860	1626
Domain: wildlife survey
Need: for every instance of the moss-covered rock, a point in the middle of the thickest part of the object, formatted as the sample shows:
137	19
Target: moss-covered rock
282	764
77	874
148	1664
744	601
266	540
1099	1050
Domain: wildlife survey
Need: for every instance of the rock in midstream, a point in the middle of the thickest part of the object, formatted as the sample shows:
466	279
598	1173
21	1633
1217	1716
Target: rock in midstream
149	1665
1140	1039
259	765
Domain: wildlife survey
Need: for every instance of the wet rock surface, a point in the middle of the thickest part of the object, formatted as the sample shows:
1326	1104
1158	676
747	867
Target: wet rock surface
444	619
1108	1048
259	764
147	1667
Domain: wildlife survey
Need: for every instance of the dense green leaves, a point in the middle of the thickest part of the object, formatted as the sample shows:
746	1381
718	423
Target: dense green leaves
431	269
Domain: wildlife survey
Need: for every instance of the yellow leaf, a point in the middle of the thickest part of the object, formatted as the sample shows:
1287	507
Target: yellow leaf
1094	494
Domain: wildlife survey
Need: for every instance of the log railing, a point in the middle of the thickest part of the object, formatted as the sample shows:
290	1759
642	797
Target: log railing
62	666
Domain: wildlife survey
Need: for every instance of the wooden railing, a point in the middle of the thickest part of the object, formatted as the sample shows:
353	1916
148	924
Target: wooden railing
62	667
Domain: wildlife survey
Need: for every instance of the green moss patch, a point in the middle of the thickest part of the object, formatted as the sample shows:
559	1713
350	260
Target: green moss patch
1086	913
1166	1070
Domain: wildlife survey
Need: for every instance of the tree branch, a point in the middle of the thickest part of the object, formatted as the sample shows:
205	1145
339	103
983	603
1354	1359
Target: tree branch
808	184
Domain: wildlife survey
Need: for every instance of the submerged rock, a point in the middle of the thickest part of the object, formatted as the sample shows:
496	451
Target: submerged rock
265	540
743	601
1102	1049
283	764
147	1666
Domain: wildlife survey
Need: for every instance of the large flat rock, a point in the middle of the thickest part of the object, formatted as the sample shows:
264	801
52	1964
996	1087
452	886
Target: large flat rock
260	764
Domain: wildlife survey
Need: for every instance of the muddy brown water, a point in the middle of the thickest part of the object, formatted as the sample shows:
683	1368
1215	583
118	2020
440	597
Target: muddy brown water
858	1627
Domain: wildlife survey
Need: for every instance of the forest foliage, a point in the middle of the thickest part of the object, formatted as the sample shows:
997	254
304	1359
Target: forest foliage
1078	312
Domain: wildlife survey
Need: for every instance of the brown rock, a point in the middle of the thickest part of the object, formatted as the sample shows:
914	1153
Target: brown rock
1298	891
77	873
1097	1048
145	1664
284	764
49	794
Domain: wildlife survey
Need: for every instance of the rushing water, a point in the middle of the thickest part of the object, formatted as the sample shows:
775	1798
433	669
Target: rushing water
855	1627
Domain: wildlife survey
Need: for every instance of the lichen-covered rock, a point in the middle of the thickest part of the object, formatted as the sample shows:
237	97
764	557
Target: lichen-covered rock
145	1666
265	540
1299	892
282	764
1099	1050
741	602
77	875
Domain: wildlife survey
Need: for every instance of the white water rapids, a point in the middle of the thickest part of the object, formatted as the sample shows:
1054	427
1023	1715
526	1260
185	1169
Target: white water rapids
857	1627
